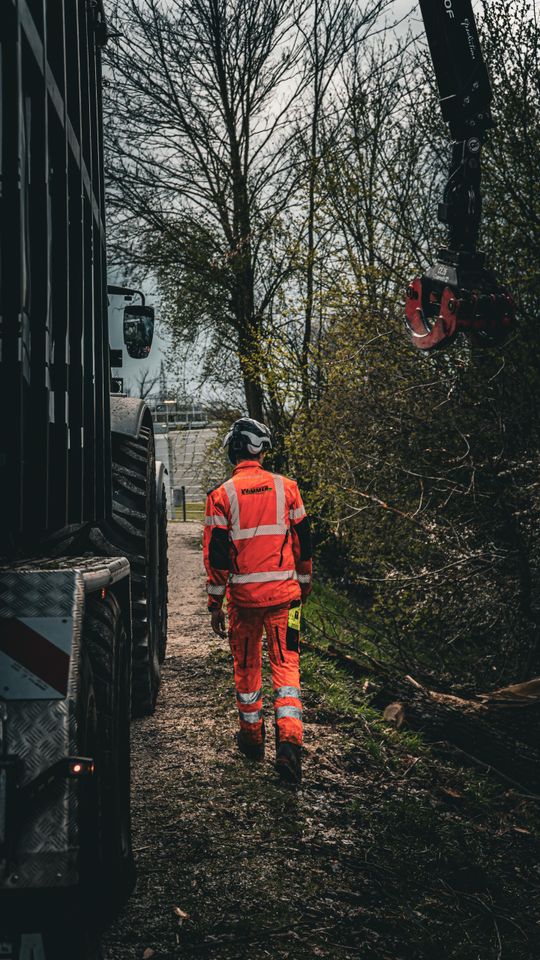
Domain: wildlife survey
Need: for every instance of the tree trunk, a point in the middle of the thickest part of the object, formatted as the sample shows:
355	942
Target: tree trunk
500	730
254	398
248	348
310	270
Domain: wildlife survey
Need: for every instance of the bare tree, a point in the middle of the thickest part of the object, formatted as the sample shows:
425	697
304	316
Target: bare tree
423	471
336	27
145	383
378	179
213	120
201	97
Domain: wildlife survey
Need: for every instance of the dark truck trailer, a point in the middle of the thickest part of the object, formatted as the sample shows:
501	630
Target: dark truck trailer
82	506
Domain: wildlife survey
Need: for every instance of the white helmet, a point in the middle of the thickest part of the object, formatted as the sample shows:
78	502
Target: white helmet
247	436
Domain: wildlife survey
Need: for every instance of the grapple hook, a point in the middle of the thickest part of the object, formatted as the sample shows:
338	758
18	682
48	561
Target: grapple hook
458	295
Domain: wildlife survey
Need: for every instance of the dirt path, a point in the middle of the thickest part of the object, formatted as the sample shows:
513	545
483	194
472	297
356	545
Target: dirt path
264	871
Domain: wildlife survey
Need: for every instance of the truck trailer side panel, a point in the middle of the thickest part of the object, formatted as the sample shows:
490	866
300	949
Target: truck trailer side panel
53	296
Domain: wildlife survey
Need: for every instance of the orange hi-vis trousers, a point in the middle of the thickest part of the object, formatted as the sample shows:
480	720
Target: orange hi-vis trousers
282	627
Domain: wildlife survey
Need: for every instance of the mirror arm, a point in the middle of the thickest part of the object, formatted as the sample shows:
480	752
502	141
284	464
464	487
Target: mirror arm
126	292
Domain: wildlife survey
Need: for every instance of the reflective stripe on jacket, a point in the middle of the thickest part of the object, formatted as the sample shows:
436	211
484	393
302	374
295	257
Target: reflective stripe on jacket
257	543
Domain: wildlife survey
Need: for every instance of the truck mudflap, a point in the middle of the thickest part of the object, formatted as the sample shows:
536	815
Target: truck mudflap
41	615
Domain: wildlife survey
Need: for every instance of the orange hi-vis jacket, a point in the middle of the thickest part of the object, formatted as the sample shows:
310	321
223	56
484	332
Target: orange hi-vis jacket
257	542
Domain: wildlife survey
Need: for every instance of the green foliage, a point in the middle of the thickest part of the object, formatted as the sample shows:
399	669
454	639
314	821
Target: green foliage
422	473
285	267
423	483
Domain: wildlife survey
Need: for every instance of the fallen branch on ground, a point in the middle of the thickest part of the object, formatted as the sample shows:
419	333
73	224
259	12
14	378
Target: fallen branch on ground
500	728
489	726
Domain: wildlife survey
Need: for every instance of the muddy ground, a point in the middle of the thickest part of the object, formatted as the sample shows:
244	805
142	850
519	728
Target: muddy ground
383	853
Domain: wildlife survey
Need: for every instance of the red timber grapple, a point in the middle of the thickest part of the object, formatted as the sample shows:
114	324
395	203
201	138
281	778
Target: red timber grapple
82	506
459	294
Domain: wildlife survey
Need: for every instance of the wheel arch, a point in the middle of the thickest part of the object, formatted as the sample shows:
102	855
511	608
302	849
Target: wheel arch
129	415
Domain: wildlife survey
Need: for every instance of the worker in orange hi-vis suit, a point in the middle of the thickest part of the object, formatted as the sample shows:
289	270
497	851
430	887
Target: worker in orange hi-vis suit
257	551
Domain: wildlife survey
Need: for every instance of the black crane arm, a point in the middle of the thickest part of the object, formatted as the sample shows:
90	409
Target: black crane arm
458	294
465	98
460	71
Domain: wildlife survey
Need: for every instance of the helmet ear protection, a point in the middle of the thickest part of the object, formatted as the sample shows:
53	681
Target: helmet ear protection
236	443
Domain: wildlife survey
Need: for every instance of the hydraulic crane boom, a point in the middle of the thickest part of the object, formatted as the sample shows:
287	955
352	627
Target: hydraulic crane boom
458	294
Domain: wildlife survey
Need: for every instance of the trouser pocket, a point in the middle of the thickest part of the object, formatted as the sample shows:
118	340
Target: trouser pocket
292	637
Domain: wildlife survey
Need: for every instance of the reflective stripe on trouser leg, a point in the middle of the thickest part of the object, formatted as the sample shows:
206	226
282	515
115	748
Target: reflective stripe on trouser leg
251	722
252	698
245	635
285	664
250	713
288	710
251	718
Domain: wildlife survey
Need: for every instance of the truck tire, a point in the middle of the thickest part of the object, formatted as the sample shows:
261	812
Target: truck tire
163	574
107	865
132	532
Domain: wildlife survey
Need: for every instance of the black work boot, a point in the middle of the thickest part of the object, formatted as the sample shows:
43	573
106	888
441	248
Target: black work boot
289	763
250	749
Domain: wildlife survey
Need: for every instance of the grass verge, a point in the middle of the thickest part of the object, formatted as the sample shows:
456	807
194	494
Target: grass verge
452	853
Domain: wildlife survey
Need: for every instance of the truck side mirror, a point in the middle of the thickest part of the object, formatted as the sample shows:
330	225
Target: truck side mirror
138	330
